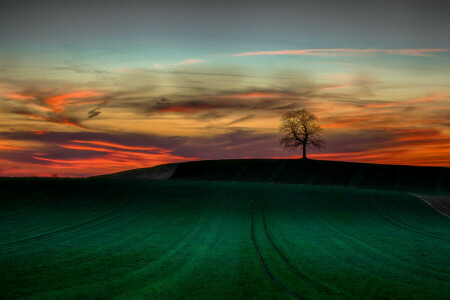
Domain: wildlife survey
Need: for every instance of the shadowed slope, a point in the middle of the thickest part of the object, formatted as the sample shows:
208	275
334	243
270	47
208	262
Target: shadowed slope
161	172
407	178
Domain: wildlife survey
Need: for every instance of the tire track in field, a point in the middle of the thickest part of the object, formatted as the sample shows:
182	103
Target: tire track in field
182	254
405	224
286	260
399	223
195	244
66	229
379	256
262	262
374	255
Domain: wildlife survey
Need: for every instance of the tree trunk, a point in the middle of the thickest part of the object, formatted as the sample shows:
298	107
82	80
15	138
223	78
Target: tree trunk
304	152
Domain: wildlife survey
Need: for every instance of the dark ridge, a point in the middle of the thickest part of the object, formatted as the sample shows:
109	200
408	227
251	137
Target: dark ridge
296	171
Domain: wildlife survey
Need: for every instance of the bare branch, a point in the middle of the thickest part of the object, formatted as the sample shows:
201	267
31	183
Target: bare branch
301	130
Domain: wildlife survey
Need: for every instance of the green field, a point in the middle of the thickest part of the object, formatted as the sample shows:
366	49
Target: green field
118	238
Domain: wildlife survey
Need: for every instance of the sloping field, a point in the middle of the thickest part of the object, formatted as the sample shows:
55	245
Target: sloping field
105	238
422	180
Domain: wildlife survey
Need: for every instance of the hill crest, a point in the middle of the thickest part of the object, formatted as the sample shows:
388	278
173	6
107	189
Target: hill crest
296	171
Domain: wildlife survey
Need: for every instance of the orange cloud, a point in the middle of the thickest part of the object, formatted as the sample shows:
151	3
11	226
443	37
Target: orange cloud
421	147
423	135
103	157
58	102
54	119
21	97
346	51
10	147
6	145
120	157
119	146
346	122
50	108
426	155
432	97
78	147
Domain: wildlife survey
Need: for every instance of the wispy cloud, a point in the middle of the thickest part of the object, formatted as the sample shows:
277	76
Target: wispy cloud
57	102
189	62
442	96
51	105
346	51
177	65
230	101
427	147
51	117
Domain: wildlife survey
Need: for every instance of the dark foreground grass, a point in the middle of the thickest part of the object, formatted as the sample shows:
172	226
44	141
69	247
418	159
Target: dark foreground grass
127	239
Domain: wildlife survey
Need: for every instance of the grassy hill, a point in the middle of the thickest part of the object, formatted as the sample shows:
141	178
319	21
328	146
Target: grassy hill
179	239
226	229
405	178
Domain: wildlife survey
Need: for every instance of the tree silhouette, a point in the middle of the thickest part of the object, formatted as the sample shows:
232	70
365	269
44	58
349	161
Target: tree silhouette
300	129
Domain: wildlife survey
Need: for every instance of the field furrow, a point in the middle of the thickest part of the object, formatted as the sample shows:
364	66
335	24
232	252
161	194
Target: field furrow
263	264
138	239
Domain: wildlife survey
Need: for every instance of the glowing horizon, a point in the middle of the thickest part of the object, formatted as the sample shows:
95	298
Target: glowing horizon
192	82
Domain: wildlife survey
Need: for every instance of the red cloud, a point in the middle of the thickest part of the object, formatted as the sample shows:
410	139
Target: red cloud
21	97
420	147
51	107
117	158
10	147
58	102
40	132
119	146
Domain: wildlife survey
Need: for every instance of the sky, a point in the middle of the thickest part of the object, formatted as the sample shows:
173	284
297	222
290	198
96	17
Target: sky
94	87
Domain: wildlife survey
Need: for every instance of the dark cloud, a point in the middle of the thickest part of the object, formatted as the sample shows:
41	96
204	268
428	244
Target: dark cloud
244	118
93	113
230	102
96	111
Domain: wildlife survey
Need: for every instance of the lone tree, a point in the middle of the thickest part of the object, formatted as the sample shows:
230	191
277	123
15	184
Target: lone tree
300	129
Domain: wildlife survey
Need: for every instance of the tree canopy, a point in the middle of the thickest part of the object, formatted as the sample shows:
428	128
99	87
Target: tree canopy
300	129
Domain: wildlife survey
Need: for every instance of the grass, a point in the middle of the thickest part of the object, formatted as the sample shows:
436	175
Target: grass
109	238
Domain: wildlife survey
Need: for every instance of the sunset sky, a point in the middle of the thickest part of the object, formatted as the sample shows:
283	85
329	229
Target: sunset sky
94	87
